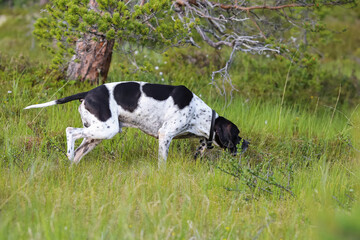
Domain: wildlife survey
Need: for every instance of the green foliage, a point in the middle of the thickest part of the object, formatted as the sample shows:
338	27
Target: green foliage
117	192
68	21
16	3
263	77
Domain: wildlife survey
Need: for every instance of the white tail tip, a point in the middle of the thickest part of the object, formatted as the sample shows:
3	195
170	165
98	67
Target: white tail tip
41	105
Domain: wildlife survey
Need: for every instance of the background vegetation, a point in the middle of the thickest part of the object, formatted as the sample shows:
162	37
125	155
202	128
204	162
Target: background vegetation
300	179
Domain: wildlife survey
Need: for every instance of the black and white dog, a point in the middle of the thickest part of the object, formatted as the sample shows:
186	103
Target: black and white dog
162	111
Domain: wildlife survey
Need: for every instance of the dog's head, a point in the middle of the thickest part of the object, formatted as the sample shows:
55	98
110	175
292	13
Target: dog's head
227	136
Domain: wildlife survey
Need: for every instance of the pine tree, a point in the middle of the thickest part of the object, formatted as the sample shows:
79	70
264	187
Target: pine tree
82	34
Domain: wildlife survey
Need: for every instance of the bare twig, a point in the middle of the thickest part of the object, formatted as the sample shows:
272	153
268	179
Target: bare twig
223	24
257	26
58	148
142	2
272	183
259	7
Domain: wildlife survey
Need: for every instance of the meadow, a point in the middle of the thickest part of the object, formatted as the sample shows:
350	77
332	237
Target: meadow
300	178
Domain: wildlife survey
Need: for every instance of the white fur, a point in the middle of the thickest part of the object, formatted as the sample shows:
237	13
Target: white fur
42	105
160	119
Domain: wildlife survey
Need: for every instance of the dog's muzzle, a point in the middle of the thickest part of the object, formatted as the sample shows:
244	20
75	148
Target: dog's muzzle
244	147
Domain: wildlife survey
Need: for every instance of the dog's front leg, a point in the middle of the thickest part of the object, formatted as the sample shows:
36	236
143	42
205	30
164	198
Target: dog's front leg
201	149
164	144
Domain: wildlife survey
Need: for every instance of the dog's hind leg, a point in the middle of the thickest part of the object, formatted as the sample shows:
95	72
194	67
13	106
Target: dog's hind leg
72	134
97	132
85	147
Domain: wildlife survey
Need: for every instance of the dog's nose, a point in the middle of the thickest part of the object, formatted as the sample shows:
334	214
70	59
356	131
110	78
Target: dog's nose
244	145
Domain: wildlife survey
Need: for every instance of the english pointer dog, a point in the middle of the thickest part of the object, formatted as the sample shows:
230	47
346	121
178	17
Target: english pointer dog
162	111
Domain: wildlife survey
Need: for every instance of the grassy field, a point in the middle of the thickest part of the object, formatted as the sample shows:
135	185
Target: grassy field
300	178
118	192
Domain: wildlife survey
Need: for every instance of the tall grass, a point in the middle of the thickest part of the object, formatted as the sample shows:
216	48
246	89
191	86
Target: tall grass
117	192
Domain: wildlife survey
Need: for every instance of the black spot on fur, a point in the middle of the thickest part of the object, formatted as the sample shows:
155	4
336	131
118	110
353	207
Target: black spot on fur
181	95
86	148
127	95
97	103
79	96
158	91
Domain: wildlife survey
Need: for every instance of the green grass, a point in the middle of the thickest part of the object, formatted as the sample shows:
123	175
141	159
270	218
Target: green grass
109	200
117	191
16	36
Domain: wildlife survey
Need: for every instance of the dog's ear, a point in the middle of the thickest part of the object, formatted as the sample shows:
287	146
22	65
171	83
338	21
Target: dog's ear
226	133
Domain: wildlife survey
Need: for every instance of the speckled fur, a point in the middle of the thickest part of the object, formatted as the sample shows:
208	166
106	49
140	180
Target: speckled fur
164	112
160	119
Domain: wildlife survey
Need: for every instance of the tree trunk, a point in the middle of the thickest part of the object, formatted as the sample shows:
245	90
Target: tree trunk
43	2
91	62
92	59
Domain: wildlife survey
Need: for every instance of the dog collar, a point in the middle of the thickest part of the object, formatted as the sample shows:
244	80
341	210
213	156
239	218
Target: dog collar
210	139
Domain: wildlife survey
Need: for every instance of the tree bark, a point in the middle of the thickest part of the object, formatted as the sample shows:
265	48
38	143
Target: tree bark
91	61
43	2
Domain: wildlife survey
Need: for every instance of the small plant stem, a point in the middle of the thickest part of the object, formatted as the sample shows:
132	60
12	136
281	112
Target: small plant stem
317	104
272	183
284	91
337	100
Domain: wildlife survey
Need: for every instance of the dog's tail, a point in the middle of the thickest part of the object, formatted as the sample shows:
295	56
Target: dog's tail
59	101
